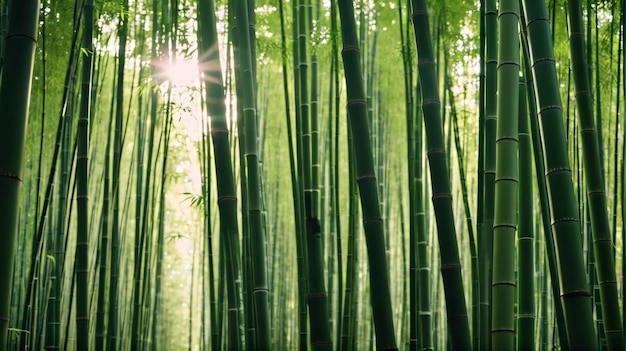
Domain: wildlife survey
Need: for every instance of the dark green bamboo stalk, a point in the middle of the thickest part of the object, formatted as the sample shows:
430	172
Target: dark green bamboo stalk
574	290
414	166
316	296
543	199
594	178
464	192
477	310
352	258
505	215
442	199
489	148
17	71
227	195
423	262
261	290
525	327
113	325
366	178
82	163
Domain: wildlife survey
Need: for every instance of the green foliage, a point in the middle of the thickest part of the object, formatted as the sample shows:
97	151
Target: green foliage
180	282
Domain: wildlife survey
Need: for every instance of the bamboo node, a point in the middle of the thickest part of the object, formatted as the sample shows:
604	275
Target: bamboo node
506	330
588	130
504	63
366	176
450	266
20	35
502	13
565	219
316	296
10	175
357	102
535	20
436	152
548	107
227	198
4	319
219	130
441	196
322	343
425	61
507	138
431	101
576	293
370	220
557	169
508	179
350	48
506	225
504	282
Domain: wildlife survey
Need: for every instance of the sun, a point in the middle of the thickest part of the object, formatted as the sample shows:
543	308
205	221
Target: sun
180	73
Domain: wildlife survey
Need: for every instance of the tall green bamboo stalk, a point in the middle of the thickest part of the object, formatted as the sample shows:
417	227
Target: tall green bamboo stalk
456	308
574	290
15	86
489	151
316	296
82	164
366	179
543	199
594	178
210	65
503	286
259	274
113	325
525	326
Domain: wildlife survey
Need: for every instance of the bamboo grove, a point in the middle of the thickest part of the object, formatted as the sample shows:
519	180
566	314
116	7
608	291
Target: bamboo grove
302	174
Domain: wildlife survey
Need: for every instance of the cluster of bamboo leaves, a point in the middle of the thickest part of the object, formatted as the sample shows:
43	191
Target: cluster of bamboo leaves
333	174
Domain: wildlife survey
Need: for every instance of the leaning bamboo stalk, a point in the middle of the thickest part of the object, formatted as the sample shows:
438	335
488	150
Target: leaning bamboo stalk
456	308
366	178
593	167
574	290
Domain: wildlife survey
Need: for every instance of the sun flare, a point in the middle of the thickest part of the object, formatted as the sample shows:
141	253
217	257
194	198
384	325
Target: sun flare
182	73
179	73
